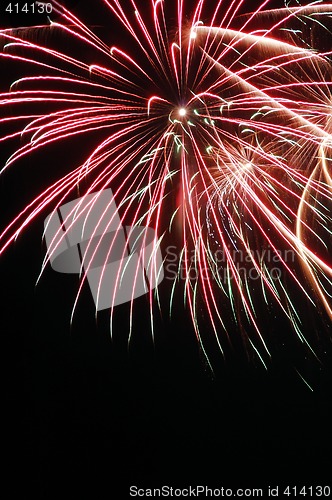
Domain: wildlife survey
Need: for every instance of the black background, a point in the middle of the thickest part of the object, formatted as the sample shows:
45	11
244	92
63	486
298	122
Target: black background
89	415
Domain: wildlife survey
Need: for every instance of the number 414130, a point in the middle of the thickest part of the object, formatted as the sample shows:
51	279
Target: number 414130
29	8
310	491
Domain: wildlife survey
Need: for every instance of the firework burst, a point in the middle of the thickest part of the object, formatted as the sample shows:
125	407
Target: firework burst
214	124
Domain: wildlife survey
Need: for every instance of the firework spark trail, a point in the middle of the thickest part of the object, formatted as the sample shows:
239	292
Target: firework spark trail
208	109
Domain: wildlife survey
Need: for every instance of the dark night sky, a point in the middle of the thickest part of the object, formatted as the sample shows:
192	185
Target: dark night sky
88	416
